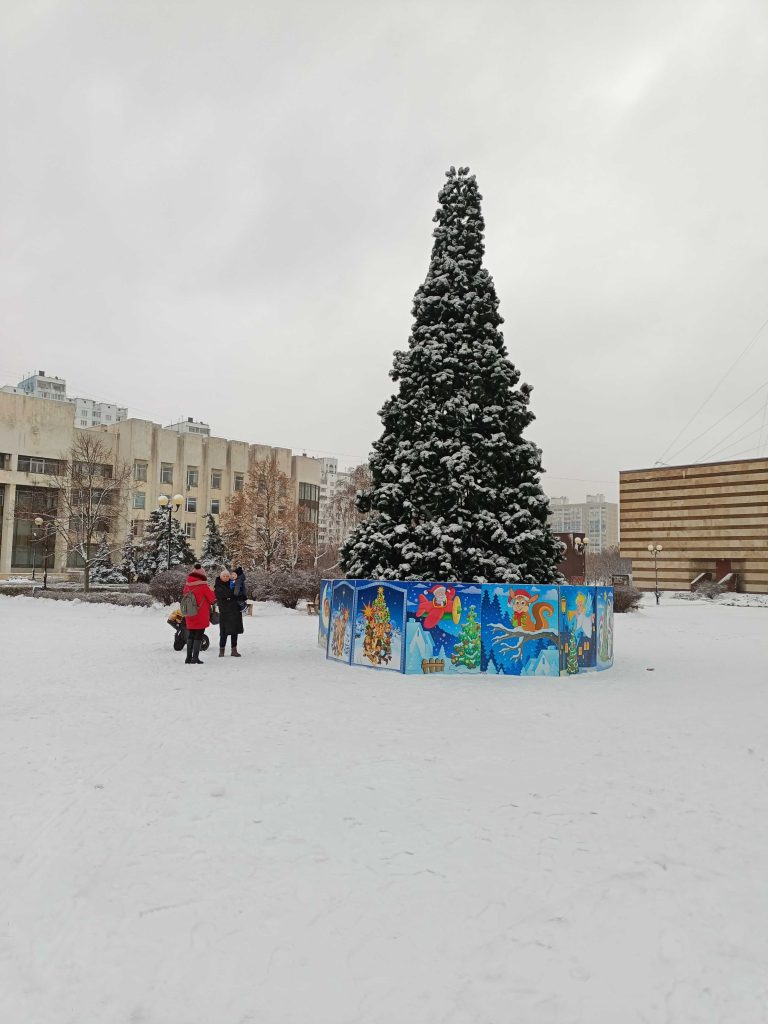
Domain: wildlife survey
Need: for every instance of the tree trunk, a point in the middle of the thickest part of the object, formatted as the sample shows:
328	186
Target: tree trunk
87	578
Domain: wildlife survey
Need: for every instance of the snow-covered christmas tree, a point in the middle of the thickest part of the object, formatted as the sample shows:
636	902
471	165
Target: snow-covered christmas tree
128	560
214	554
102	570
455	492
153	554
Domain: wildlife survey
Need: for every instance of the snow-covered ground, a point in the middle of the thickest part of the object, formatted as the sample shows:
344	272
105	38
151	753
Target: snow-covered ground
283	840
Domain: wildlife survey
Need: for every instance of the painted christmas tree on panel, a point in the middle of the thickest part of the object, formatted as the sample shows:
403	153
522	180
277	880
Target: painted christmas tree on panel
467	650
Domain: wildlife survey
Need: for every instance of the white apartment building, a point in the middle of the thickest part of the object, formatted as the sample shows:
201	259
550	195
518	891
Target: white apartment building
596	518
333	530
190	426
88	412
35	436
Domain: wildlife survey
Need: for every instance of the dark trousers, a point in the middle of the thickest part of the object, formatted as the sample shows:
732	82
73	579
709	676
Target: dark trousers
194	639
223	638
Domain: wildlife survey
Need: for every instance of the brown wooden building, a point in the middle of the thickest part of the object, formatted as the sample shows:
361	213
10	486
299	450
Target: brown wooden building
709	518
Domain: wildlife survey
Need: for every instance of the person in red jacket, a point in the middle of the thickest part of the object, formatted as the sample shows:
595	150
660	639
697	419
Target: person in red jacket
197	585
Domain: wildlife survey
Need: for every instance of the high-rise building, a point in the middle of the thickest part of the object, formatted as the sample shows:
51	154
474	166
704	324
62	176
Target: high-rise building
88	412
596	518
336	491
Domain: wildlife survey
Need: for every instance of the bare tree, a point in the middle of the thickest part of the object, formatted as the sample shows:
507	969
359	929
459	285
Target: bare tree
344	512
262	526
602	566
88	486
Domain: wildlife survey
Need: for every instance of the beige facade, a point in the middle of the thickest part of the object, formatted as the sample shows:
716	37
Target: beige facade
708	518
204	470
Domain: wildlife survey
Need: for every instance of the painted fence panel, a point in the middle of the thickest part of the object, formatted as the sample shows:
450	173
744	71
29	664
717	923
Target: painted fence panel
467	628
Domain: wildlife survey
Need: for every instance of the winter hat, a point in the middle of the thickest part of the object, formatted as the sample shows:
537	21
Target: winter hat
198	573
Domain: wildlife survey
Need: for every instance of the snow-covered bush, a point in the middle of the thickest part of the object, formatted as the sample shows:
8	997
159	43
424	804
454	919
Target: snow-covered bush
709	589
122	599
626	599
288	586
167	586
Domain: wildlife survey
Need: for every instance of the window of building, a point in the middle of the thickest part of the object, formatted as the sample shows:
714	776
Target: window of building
190	529
191	476
34	464
239	481
190	505
215	479
215	505
140	471
137	527
5	460
139	499
166	472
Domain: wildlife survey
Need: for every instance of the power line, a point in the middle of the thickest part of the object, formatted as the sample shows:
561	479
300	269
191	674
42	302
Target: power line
721	443
716	388
744	401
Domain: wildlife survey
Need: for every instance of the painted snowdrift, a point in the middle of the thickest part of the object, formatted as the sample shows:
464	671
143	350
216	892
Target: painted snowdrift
467	628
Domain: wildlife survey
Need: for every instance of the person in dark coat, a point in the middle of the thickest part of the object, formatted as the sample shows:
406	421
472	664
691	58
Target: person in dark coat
197	584
230	616
240	589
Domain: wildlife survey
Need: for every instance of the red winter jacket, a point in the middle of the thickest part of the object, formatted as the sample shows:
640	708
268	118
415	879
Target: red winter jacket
197	584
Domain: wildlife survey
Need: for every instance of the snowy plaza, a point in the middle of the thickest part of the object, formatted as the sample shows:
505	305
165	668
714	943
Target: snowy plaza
284	840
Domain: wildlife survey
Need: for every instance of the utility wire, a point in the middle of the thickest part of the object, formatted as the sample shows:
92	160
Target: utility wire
716	388
721	442
714	453
744	401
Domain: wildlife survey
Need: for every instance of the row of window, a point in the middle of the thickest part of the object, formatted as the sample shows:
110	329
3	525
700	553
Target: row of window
140	470
190	504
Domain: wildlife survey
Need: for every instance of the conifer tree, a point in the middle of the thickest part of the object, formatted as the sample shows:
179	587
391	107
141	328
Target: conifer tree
102	569
455	491
153	555
214	553
129	558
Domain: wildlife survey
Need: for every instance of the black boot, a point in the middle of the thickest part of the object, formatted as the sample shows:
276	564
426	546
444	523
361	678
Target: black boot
196	647
190	644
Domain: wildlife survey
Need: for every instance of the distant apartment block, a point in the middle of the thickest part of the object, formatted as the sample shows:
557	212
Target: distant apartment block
88	412
336	520
595	518
190	426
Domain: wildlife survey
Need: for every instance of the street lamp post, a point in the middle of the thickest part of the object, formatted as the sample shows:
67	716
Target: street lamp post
655	550
46	528
581	544
38	522
171	505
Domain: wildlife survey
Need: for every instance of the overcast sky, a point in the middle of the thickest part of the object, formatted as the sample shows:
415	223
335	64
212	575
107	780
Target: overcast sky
222	209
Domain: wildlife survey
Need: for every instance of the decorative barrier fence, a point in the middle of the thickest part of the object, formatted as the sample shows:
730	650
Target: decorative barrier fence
467	628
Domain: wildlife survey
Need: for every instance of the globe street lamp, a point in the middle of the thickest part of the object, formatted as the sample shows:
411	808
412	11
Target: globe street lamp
655	550
172	505
581	544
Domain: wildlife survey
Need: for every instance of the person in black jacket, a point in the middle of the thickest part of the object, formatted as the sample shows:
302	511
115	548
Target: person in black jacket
239	586
230	616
